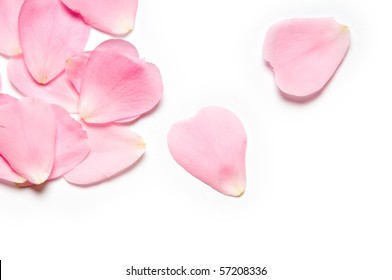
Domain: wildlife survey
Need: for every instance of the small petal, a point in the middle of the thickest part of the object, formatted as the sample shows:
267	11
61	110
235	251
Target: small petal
9	33
211	146
118	88
71	143
114	17
76	65
59	91
305	53
112	149
27	138
49	35
75	68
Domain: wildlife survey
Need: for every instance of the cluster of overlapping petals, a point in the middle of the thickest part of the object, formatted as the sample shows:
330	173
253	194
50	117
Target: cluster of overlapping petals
104	89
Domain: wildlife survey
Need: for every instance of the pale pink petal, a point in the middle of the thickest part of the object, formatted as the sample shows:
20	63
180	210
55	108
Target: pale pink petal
7	99
76	65
75	68
27	138
118	88
118	46
211	146
71	143
112	149
59	91
7	174
128	120
114	17
49	35
9	33
305	53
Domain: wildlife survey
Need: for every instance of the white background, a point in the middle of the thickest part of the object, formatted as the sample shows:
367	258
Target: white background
318	203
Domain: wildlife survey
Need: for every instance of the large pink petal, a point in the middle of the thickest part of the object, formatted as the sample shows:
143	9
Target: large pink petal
59	91
114	17
27	138
112	149
76	65
49	35
9	33
116	88
305	53
6	172
211	146
71	143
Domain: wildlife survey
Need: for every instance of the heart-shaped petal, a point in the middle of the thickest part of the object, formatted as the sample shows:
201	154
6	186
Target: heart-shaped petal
59	91
211	146
114	17
27	138
305	53
117	87
9	32
49	35
112	149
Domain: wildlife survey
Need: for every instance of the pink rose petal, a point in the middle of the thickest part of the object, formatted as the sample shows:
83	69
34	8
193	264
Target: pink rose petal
6	172
7	99
118	46
114	17
76	65
118	88
305	53
27	138
9	33
211	146
112	149
71	143
59	91
49	35
75	68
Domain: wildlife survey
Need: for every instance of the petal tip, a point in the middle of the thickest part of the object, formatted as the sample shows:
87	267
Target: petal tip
17	51
20	183
236	190
140	145
43	80
128	29
85	115
345	28
39	178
